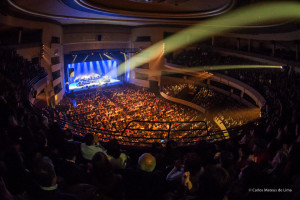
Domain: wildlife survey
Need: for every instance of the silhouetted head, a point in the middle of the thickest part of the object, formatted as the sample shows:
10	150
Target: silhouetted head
113	148
147	162
102	167
213	183
89	139
44	172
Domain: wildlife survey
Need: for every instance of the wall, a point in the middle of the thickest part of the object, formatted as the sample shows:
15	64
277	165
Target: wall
85	37
289	36
29	52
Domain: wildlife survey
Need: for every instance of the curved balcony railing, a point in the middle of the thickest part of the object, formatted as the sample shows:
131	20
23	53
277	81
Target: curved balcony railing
33	81
144	133
223	79
136	134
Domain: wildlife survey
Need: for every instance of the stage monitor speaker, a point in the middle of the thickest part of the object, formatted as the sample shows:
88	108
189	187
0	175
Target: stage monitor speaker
154	86
99	37
71	72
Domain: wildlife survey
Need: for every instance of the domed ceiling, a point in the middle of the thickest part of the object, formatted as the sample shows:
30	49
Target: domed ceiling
125	12
129	12
161	8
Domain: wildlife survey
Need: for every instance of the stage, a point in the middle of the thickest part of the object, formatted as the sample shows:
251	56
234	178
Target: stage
93	84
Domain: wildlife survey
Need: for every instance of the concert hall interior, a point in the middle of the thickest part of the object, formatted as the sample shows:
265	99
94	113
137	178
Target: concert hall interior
149	99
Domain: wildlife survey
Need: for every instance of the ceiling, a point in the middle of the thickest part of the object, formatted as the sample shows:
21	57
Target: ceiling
126	12
160	8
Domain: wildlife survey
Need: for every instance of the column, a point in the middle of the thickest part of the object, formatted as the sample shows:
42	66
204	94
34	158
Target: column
249	45
20	30
242	93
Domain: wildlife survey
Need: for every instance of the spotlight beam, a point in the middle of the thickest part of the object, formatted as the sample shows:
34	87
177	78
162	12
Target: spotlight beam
244	16
227	67
85	58
100	56
74	59
109	57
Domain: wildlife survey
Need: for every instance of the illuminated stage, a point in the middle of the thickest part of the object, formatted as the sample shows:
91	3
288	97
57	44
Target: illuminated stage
93	84
91	75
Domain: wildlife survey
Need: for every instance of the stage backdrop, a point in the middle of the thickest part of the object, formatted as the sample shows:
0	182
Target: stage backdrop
103	68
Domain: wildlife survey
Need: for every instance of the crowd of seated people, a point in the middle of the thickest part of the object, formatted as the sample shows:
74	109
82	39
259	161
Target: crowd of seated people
231	112
256	79
232	60
112	109
205	57
194	57
180	90
285	54
281	53
174	90
235	114
206	97
199	95
278	86
22	68
40	160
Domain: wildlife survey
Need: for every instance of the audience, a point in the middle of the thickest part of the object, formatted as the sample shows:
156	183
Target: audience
35	156
88	148
103	176
117	159
227	110
144	182
112	109
67	168
44	174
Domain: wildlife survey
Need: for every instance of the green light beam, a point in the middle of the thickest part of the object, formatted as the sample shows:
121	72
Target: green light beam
244	16
226	67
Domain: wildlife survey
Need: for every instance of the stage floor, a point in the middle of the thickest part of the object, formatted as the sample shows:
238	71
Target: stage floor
73	87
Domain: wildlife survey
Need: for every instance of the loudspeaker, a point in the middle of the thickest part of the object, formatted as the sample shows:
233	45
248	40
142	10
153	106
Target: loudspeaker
71	72
154	86
99	37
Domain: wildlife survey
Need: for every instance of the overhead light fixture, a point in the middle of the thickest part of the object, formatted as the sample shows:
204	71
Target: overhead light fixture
74	58
85	58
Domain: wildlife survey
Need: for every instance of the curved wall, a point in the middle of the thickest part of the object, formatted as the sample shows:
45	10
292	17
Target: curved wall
85	36
183	102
